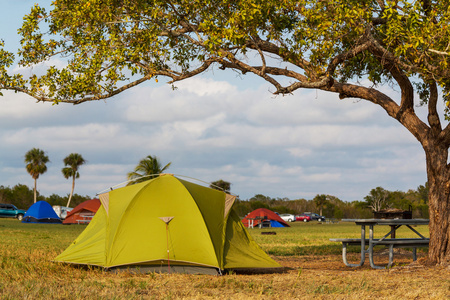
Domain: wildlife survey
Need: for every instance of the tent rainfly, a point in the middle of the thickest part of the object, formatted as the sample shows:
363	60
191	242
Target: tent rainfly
256	217
41	212
167	224
83	212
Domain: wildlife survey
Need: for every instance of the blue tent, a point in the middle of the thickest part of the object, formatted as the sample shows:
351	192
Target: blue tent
274	223
41	212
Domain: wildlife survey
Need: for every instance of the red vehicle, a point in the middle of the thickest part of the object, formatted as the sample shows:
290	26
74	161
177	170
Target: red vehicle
303	218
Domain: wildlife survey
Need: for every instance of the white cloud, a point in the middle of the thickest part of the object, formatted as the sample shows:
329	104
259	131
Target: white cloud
205	87
13	108
39	69
299	152
291	147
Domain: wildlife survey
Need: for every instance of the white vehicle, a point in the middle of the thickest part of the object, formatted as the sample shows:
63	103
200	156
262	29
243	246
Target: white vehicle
288	217
61	211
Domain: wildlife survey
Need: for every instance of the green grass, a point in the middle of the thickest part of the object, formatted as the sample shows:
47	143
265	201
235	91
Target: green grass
300	239
27	270
313	238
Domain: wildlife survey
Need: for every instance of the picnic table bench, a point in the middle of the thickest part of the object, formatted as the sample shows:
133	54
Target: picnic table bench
391	243
85	219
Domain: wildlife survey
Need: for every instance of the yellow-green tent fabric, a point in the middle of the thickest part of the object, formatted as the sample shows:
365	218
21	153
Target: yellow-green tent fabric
167	224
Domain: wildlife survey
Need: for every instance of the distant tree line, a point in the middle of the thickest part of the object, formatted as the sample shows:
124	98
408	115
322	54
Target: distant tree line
23	197
150	166
332	207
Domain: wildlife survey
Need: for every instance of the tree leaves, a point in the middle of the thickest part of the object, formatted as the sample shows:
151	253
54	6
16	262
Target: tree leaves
109	46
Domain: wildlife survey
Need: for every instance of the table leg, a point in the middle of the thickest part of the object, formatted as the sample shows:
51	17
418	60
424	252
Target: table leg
391	256
371	245
363	250
393	230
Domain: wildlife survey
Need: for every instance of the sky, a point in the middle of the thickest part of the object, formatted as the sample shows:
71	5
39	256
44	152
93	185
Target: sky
214	126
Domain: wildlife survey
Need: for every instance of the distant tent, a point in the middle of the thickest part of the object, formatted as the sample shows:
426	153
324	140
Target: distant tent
83	213
263	216
41	212
167	224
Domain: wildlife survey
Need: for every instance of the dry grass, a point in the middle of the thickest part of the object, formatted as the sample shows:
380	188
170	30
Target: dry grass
317	272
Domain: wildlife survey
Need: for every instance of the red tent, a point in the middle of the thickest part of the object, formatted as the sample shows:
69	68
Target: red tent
83	213
264	215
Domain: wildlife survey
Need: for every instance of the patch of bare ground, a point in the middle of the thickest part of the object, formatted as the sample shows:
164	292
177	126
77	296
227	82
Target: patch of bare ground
326	277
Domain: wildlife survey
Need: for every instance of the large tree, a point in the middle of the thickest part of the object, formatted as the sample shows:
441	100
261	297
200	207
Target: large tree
378	199
36	164
347	47
71	164
320	201
148	167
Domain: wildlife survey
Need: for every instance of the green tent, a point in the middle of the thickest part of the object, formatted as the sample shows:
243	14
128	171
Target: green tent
167	224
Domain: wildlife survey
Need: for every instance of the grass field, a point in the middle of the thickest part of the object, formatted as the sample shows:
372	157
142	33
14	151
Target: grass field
314	270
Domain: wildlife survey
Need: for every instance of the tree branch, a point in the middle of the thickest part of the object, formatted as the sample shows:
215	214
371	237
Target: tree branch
346	55
444	135
416	126
347	90
381	4
198	70
438	52
261	54
229	60
302	82
392	65
79	101
433	117
274	49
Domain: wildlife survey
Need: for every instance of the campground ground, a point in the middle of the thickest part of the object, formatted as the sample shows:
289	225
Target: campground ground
314	270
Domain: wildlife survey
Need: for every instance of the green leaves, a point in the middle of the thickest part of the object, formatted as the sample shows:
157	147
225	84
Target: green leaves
36	162
104	47
148	168
7	81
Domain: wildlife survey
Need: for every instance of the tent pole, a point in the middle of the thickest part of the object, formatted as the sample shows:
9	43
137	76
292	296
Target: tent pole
167	221
167	239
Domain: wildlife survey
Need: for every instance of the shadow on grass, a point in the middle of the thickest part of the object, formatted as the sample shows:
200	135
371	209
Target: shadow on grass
326	250
311	250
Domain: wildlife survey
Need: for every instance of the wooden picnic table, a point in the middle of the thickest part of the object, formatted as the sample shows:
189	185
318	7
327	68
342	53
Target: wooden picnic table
392	242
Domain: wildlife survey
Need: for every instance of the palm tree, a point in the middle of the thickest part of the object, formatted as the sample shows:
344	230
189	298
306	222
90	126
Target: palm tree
147	168
72	162
36	161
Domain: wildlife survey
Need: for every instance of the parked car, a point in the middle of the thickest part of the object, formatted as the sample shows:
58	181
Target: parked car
315	217
288	217
10	211
302	218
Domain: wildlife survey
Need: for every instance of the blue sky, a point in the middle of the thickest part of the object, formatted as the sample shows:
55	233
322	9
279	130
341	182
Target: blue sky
214	126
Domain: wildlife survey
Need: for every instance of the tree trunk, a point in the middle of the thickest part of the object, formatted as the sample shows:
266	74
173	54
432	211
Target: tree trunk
35	189
438	173
71	192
